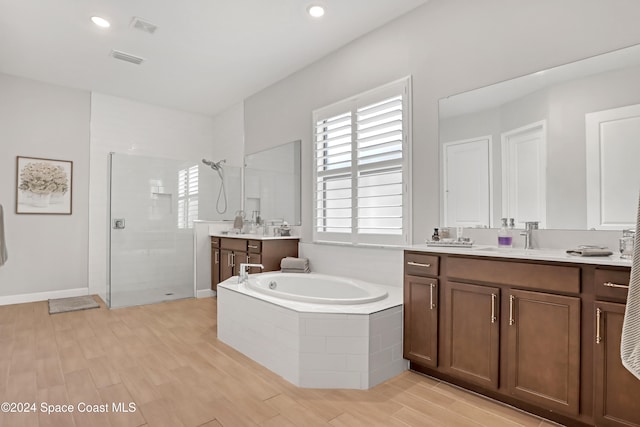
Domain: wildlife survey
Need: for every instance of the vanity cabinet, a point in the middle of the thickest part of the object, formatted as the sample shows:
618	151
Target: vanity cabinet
421	309
215	263
229	252
617	391
520	331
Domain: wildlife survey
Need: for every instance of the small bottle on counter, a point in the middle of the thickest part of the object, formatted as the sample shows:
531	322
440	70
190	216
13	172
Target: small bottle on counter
505	239
436	236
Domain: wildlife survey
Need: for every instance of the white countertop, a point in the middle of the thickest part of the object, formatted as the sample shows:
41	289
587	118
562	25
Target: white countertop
558	255
252	236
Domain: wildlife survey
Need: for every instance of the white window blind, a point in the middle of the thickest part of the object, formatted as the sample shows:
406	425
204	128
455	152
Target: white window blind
187	197
361	168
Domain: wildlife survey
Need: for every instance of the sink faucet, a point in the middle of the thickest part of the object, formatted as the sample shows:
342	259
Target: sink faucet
528	229
244	271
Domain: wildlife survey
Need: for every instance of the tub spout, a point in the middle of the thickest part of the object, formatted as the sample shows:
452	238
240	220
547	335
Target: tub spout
244	271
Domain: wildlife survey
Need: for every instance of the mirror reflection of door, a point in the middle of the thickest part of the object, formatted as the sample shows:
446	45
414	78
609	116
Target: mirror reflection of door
523	174
467	182
613	175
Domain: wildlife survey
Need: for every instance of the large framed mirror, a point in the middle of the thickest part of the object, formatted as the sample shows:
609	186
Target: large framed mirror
557	146
272	183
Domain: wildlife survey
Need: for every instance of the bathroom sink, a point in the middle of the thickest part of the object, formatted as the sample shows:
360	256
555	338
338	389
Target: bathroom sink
513	251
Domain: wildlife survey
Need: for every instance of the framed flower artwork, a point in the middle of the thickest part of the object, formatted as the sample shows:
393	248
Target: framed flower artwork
43	186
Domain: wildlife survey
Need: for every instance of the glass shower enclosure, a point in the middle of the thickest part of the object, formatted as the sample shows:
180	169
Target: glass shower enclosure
152	204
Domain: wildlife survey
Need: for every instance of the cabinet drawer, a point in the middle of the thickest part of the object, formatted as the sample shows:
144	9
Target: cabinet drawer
254	246
420	264
611	283
215	242
233	244
557	278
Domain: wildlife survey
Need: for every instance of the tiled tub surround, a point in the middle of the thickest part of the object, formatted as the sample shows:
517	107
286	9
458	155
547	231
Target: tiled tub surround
315	345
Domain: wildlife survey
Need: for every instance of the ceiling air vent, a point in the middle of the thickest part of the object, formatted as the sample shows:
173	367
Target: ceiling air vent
126	57
143	25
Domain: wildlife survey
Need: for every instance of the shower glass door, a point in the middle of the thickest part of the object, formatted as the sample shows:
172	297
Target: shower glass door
153	202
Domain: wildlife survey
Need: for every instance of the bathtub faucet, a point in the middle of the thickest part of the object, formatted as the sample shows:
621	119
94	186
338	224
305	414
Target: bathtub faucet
244	271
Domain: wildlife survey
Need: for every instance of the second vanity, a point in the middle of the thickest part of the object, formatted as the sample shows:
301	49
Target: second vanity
539	330
228	251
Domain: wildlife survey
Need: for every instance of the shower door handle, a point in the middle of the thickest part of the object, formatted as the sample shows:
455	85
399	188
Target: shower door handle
118	224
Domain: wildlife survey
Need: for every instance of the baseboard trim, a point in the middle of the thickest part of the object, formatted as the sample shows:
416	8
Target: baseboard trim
205	293
43	296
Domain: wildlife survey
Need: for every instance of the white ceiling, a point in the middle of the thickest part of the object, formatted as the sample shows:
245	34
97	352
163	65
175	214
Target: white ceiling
205	56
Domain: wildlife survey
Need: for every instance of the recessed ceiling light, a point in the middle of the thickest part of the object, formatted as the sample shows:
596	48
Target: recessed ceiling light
316	11
100	22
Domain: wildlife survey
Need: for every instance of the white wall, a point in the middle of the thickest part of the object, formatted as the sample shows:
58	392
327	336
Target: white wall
47	253
448	46
228	144
123	126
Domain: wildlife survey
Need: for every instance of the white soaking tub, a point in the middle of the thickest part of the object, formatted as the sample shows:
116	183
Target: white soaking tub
315	330
315	288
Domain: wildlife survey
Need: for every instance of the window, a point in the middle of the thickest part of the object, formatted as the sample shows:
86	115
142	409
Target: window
187	197
361	166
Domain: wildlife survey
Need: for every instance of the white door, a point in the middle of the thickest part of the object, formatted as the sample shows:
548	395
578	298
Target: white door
613	172
467	182
524	164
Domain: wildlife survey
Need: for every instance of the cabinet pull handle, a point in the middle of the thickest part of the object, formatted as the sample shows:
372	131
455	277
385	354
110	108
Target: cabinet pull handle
431	304
598	316
615	285
217	257
418	264
493	308
253	246
230	259
511	319
248	260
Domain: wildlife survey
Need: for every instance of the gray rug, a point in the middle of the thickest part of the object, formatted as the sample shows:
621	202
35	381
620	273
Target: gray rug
62	305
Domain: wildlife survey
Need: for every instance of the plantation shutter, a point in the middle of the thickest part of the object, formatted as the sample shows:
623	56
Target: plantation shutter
187	197
361	168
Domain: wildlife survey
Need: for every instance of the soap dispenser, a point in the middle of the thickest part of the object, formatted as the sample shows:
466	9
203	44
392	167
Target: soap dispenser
505	239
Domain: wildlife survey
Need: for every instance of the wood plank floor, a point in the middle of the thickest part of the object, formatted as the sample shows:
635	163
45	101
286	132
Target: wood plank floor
165	360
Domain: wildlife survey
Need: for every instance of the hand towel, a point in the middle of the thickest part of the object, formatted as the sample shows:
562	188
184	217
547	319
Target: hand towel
294	263
3	245
630	345
291	264
590	252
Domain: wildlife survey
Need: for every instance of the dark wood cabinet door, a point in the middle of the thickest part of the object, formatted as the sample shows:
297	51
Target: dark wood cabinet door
226	264
421	320
215	268
254	259
472	333
543	349
617	396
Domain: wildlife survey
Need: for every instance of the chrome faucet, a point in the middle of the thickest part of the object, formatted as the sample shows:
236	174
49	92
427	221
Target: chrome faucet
527	233
244	271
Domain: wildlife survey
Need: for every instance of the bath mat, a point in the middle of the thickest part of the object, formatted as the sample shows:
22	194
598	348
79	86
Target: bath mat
63	305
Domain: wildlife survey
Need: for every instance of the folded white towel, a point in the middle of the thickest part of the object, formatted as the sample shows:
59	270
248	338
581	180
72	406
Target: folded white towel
291	263
3	245
630	345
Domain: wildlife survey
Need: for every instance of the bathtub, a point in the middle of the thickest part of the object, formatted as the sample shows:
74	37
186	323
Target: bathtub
315	330
315	288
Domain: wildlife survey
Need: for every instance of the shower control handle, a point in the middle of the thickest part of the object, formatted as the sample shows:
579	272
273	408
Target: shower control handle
118	224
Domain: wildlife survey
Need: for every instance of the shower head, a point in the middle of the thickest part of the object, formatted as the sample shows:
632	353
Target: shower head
213	165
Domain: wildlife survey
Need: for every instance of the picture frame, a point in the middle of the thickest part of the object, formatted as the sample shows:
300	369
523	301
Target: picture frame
44	186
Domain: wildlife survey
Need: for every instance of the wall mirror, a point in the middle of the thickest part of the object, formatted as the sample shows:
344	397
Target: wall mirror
272	183
556	146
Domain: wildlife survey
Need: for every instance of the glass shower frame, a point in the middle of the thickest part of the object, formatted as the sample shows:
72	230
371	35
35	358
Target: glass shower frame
151	239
